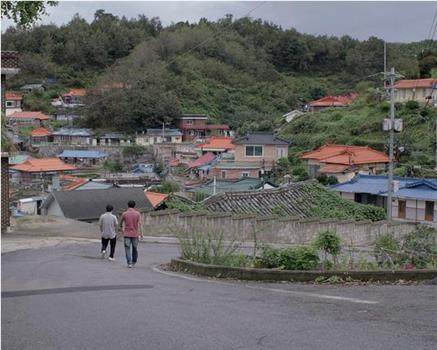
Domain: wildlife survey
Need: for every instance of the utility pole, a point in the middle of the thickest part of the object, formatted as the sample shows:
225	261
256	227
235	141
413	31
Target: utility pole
385	64
435	147
392	77
163	132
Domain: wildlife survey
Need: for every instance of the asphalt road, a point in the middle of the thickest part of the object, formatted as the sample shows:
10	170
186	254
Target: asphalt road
66	297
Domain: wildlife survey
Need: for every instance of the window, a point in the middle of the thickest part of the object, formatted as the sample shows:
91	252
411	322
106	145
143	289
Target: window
9	104
245	174
189	122
254	151
429	211
402	209
280	152
223	174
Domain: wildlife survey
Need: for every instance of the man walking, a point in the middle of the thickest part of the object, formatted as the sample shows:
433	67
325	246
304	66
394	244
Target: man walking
108	227
130	219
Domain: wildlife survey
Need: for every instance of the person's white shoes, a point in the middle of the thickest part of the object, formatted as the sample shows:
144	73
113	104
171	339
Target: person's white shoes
103	253
129	266
111	259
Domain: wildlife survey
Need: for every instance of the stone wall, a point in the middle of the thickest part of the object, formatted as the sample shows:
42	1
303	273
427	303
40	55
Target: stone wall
270	229
4	192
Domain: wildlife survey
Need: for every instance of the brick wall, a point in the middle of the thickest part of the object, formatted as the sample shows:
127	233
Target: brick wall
4	192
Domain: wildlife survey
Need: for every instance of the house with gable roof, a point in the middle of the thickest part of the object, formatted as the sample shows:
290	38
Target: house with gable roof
344	161
27	118
13	102
414	199
332	101
420	90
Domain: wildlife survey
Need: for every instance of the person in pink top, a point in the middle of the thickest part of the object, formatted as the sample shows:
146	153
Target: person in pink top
131	227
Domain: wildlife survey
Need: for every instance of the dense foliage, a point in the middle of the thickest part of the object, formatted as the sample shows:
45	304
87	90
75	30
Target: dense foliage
243	72
299	258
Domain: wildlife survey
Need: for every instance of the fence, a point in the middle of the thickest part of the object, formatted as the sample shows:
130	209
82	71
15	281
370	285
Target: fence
271	229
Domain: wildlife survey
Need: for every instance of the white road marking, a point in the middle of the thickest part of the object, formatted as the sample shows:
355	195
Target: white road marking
314	295
284	291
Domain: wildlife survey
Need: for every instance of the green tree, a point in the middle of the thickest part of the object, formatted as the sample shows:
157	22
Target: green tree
24	13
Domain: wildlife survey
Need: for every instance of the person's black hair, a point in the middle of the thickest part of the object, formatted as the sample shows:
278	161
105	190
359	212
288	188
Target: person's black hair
131	204
109	207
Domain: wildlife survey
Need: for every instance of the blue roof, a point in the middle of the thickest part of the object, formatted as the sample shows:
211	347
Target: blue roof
409	187
92	185
82	154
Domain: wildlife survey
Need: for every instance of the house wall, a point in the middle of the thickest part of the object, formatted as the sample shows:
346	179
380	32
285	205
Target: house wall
68	140
190	123
145	140
269	229
270	154
343	177
233	173
418	94
54	209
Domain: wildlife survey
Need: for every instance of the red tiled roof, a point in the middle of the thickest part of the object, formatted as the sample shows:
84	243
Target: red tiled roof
43	165
13	96
74	182
217	143
29	115
347	155
174	162
75	92
217	127
155	198
205	159
415	83
41	132
336	101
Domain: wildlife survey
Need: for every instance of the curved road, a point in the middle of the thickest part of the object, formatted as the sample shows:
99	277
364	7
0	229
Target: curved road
66	297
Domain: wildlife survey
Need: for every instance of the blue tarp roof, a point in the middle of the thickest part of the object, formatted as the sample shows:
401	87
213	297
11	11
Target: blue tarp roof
409	187
82	154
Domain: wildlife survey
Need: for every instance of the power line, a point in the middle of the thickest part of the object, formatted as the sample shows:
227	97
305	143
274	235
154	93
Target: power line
136	84
432	25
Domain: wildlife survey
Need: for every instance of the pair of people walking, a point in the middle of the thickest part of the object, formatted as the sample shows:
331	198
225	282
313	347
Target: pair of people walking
130	227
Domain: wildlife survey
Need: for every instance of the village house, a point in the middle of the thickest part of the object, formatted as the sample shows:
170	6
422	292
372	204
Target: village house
13	102
29	88
216	145
39	170
414	199
344	162
292	115
332	101
74	97
88	205
419	90
40	136
157	136
156	199
111	139
200	167
194	127
255	155
72	136
27	118
74	183
83	157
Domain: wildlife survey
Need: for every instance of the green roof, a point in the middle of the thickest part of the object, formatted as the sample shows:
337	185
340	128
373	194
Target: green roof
244	184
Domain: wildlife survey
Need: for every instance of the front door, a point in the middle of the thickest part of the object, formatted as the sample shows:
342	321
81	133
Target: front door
402	209
429	211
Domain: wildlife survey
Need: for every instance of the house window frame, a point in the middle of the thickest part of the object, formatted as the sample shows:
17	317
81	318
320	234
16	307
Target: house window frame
189	122
223	174
281	152
254	155
9	103
245	174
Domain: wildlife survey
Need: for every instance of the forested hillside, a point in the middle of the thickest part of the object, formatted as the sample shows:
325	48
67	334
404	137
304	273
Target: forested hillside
243	72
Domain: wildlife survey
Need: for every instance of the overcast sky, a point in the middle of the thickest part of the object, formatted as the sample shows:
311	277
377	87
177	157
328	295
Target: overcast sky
392	21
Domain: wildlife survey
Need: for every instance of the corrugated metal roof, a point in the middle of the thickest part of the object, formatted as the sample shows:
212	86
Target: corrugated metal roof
167	132
73	132
260	138
82	154
244	184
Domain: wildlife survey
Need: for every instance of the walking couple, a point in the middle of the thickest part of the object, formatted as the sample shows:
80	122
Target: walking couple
130	225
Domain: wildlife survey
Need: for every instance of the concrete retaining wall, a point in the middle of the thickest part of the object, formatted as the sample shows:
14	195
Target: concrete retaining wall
297	276
270	229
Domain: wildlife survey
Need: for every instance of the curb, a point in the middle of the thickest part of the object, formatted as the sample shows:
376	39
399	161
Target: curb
254	274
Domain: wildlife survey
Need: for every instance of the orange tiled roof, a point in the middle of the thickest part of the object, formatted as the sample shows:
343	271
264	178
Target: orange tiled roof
43	165
336	101
415	83
41	132
347	155
217	143
75	92
28	115
174	162
155	198
74	182
13	96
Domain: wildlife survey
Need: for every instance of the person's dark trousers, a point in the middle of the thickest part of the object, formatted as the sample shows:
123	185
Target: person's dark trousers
128	242
105	242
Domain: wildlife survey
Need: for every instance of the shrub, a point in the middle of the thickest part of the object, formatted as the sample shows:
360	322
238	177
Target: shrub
332	180
323	179
420	246
386	249
166	187
328	242
300	258
412	105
